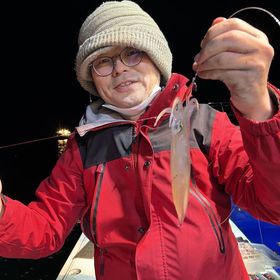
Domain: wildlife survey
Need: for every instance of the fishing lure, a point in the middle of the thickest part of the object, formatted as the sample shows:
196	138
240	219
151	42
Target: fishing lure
180	162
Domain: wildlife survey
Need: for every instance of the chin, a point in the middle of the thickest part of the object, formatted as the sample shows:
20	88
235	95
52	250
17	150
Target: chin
129	104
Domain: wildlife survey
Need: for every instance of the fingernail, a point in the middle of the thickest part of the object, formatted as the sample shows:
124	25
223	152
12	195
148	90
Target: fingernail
196	58
195	66
218	20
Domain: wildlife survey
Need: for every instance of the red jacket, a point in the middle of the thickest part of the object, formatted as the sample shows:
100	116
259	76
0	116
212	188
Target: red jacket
114	177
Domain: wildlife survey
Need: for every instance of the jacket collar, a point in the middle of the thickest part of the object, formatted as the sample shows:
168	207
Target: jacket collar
97	116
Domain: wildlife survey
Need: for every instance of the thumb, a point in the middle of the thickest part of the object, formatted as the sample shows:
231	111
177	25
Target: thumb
218	20
0	186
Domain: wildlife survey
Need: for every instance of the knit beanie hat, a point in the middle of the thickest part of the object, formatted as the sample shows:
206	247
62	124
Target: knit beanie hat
120	23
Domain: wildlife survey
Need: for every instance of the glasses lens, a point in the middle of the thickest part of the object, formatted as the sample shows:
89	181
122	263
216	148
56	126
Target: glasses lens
131	56
103	66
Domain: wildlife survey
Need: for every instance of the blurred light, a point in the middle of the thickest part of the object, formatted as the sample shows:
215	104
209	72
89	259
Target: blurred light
63	135
63	132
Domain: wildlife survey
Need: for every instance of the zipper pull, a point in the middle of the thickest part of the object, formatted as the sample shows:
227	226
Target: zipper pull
100	168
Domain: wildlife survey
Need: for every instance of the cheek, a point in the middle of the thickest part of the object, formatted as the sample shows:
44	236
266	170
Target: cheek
151	79
105	95
101	85
152	74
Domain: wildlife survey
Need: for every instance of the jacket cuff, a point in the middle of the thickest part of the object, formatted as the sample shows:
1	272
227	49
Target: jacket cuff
267	127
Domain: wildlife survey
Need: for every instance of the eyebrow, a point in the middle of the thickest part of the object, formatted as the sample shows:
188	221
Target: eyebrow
109	53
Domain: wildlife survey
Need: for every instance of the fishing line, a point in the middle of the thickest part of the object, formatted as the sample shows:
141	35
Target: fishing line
256	8
32	141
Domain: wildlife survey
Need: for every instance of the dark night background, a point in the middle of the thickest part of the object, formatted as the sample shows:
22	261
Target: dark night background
40	93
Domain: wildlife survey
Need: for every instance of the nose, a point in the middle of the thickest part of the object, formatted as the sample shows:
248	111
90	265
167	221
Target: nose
118	66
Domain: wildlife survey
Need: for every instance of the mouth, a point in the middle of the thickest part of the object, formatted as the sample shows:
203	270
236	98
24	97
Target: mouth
124	84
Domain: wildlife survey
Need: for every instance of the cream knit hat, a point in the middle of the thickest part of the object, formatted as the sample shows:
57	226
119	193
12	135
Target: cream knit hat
120	23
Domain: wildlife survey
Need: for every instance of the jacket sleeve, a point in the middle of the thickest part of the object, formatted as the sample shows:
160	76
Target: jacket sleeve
40	228
247	162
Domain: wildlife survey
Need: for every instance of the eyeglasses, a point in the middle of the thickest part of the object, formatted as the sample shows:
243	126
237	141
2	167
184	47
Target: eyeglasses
104	65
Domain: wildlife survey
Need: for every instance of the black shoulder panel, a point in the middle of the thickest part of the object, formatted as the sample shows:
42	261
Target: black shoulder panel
105	145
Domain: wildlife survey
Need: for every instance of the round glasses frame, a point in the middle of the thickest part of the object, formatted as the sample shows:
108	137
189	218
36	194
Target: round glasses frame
104	65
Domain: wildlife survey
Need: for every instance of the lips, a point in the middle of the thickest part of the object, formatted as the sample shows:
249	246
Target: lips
124	84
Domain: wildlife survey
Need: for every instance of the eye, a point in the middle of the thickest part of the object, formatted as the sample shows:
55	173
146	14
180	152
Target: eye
132	52
102	61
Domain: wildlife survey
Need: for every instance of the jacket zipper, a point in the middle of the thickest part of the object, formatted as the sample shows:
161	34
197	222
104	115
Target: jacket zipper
212	217
99	178
102	262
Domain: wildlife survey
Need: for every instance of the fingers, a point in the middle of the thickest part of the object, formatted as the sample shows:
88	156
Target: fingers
222	25
0	186
229	42
227	38
231	51
230	35
227	61
217	20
